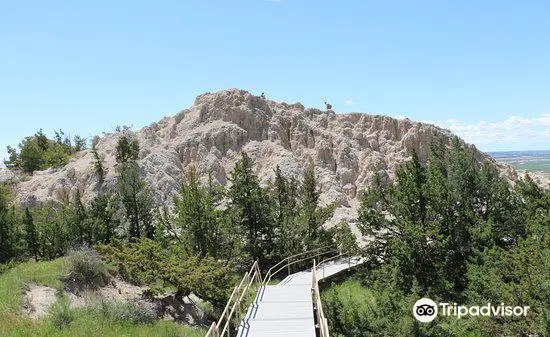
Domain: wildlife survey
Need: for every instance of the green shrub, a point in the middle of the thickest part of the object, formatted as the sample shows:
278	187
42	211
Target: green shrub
86	270
60	313
124	312
208	309
147	262
4	267
355	310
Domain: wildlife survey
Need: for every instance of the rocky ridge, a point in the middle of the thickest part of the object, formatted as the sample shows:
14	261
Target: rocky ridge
346	149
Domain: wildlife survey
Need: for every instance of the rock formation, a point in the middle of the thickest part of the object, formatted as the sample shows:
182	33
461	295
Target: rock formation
346	149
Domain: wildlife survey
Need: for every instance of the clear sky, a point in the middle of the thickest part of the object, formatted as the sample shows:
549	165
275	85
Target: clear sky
479	68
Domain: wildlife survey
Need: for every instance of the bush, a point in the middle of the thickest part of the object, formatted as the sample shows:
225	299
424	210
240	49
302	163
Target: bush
60	313
147	262
39	152
4	267
87	271
124	312
208	309
355	310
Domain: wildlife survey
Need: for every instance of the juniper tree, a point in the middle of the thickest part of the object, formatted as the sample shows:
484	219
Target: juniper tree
9	226
56	228
251	203
132	190
80	230
312	215
102	218
31	156
137	201
98	166
31	234
290	232
127	150
197	216
310	201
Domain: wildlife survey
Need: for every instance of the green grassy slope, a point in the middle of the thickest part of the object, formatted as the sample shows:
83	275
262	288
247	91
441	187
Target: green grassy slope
84	323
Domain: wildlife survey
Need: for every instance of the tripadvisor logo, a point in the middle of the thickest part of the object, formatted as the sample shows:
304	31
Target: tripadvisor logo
425	310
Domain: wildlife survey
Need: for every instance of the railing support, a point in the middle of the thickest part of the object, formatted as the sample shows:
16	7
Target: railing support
317	305
253	280
233	307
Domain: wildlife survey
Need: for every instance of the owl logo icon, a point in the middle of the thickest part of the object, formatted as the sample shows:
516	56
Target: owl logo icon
425	310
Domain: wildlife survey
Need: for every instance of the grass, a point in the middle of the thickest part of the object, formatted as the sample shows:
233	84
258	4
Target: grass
274	281
87	325
529	164
13	282
76	322
534	166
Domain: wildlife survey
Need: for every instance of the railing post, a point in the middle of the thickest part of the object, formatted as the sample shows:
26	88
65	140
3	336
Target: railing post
229	322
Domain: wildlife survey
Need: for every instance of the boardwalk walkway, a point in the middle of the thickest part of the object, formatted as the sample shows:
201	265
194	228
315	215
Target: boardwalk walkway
286	309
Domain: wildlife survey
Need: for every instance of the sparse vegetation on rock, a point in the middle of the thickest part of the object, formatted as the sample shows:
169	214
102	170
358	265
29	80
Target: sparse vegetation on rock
39	152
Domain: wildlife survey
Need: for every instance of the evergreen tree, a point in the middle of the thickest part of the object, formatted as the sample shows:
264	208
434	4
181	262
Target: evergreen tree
372	221
127	150
13	161
81	230
290	232
310	202
410	194
464	186
38	152
9	245
344	238
79	143
417	222
31	234
98	166
535	208
197	215
251	203
137	201
132	191
55	225
31	157
498	208
41	140
311	214
102	218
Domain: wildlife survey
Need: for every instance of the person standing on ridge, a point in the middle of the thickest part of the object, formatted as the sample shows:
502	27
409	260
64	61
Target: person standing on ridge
263	95
329	106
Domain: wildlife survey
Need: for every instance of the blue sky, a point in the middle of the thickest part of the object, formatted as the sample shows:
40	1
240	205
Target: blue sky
479	68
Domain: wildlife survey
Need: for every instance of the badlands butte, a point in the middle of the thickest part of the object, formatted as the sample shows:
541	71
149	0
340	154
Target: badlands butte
345	149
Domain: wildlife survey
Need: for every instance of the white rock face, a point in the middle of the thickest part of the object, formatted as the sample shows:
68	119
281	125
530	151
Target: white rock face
346	149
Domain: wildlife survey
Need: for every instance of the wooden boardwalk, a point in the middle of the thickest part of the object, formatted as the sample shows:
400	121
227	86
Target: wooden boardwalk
286	309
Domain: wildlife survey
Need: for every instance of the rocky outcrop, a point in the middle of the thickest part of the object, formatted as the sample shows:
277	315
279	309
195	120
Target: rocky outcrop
346	149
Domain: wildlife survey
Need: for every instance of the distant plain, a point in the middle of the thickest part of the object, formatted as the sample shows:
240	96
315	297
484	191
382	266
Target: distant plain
531	161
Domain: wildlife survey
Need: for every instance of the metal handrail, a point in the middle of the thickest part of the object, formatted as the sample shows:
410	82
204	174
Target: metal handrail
296	255
298	261
323	262
320	315
254	274
236	298
270	272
